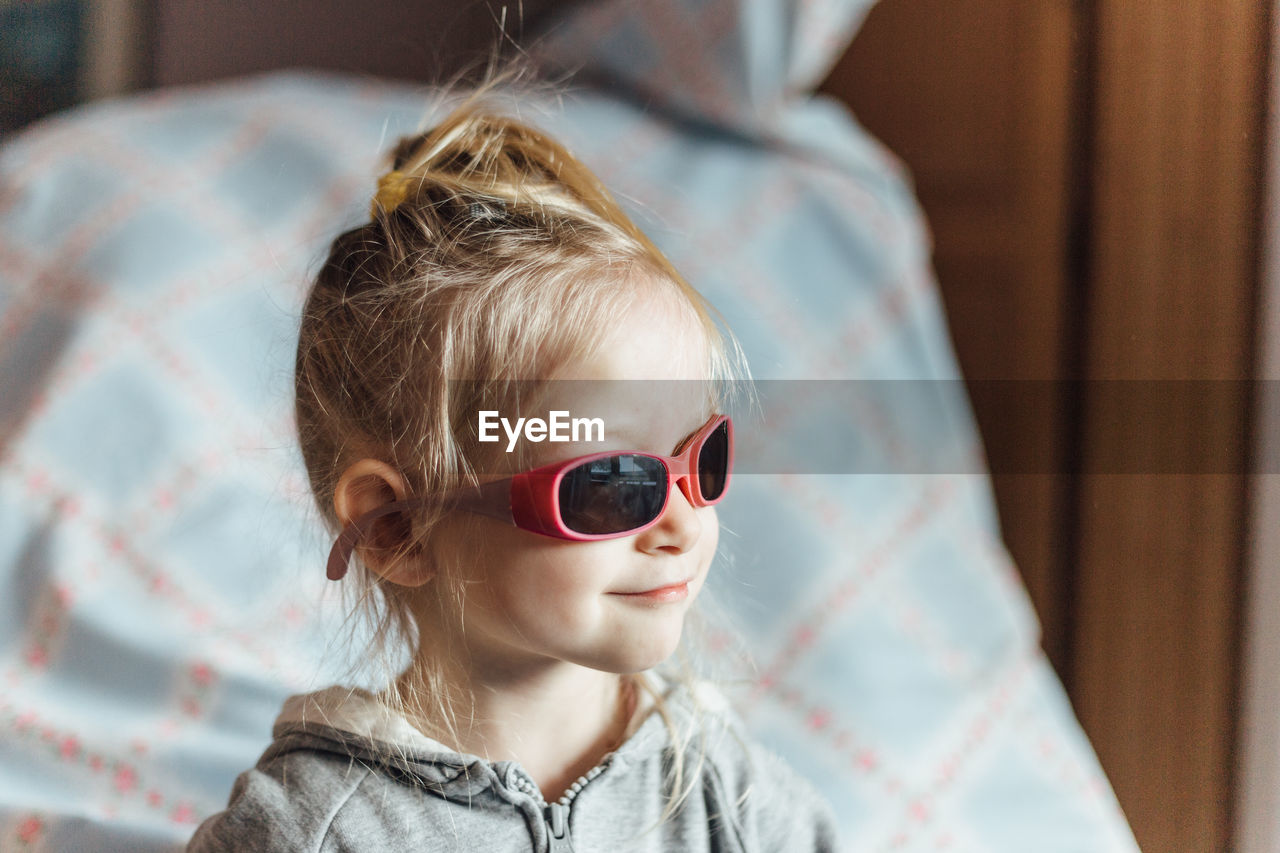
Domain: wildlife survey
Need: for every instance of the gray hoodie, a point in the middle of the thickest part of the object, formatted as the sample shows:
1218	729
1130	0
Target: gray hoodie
342	776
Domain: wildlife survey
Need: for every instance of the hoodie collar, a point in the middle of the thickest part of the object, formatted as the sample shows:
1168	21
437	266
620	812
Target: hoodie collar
354	722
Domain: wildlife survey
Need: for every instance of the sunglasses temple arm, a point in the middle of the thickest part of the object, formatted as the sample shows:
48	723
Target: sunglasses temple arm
340	554
492	499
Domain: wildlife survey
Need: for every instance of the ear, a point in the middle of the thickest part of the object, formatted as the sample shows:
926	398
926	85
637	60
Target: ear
386	548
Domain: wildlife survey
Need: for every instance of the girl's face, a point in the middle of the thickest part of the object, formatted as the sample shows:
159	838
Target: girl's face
616	605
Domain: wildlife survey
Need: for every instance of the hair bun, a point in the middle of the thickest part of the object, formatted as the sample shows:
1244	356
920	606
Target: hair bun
406	148
480	164
485	165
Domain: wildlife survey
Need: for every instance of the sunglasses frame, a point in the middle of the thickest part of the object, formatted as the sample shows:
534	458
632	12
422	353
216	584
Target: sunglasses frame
530	500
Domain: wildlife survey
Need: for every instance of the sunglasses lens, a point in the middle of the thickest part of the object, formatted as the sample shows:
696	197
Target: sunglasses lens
713	463
613	494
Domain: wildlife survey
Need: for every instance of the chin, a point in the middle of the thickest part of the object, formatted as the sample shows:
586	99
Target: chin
639	658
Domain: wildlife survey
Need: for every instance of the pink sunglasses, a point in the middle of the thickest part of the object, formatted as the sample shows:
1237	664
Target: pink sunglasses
588	498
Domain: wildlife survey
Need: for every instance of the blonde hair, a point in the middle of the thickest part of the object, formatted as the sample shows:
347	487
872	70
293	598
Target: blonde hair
493	255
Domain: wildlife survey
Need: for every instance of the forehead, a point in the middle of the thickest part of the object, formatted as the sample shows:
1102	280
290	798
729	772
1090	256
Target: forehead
648	391
653	361
646	375
657	335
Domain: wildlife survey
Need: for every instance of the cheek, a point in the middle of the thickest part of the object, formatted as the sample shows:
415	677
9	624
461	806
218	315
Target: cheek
705	551
710	538
545	583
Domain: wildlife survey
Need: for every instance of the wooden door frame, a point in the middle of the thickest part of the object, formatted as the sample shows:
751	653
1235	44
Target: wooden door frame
1175	151
1257	825
1150	254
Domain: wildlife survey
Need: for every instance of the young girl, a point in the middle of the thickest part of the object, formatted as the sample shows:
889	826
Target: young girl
534	584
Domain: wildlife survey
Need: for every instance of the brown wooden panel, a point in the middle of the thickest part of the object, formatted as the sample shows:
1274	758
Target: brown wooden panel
1145	134
974	95
196	40
1173	276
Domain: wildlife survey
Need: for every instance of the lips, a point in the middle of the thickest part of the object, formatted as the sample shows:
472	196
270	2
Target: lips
667	593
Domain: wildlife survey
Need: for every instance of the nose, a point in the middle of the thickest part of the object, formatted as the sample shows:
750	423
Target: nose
678	527
686	487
